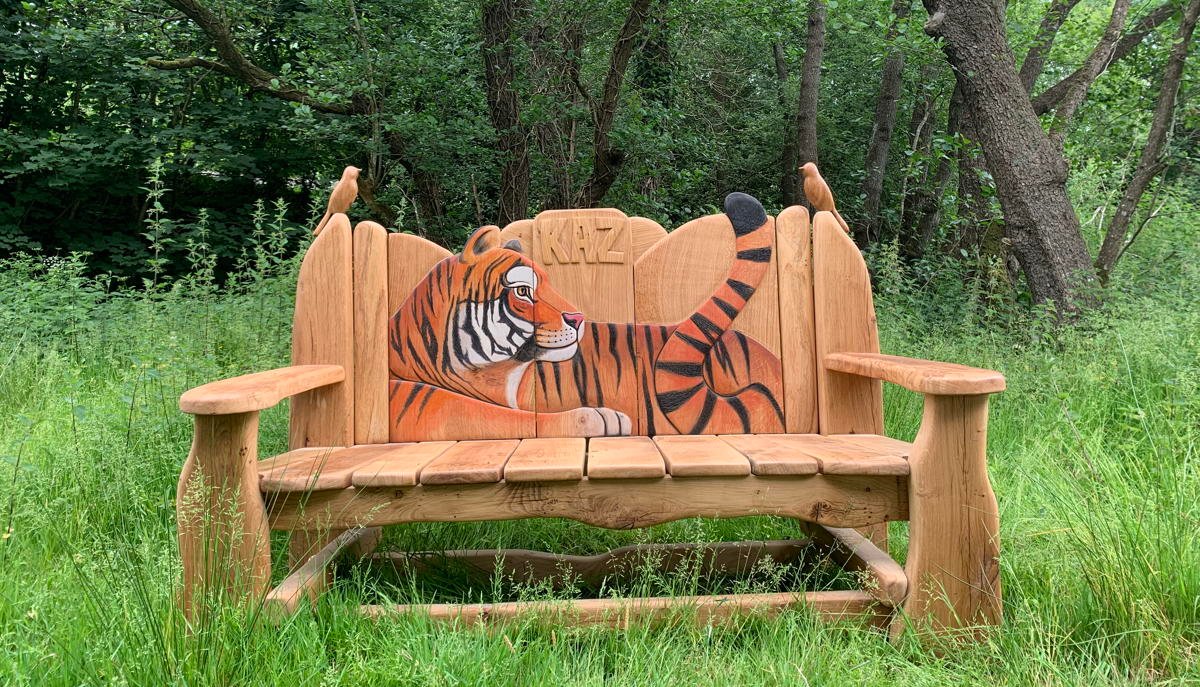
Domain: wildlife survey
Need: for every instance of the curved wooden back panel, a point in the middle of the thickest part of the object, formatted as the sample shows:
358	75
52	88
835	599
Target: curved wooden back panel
845	321
370	333
323	333
813	299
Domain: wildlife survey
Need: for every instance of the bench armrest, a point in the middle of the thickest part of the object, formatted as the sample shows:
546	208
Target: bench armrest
922	376
258	391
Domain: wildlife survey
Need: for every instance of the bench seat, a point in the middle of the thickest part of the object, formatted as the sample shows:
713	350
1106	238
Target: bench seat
433	463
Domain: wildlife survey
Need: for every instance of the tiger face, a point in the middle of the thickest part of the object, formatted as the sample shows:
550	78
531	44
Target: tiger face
508	310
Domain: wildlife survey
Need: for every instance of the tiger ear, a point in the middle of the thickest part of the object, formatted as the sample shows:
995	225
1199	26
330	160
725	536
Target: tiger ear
515	245
484	239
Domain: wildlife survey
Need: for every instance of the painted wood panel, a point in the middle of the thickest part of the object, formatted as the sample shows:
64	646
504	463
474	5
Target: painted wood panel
507	340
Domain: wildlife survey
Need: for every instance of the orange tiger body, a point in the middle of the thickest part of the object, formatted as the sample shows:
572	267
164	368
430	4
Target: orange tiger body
486	336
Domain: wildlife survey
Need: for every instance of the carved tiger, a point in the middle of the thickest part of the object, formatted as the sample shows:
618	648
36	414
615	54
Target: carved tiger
484	340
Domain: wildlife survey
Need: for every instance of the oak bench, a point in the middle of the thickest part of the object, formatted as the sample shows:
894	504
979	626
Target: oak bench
589	365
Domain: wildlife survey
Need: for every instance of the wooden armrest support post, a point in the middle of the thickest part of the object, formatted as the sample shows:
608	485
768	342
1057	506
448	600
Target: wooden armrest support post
224	538
953	563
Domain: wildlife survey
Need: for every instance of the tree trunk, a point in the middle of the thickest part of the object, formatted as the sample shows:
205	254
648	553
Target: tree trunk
800	145
1035	59
606	159
1150	163
1029	170
868	231
504	107
555	74
923	205
974	207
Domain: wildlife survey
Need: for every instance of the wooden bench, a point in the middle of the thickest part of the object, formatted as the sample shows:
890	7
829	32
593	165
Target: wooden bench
589	365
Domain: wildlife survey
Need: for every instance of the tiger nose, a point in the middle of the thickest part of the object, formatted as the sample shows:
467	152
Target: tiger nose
574	319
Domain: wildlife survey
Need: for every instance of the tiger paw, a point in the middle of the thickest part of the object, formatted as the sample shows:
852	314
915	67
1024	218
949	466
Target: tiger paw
584	422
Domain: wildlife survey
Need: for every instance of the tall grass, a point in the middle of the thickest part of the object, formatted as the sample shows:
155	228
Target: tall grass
1093	452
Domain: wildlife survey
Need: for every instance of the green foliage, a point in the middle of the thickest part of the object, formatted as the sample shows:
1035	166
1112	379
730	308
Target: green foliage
703	112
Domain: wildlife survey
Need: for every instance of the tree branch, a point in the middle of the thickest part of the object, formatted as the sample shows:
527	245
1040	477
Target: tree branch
237	65
1050	98
1035	59
1093	66
189	63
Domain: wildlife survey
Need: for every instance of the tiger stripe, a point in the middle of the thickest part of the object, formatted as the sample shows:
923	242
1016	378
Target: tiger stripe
683	379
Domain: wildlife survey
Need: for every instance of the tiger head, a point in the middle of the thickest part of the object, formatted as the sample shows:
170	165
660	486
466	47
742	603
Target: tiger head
505	308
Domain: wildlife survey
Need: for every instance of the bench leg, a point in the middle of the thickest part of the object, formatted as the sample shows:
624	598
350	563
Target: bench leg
223	535
953	556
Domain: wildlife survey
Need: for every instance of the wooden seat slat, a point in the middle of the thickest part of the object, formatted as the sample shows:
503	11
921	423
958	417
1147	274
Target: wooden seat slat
400	467
567	459
768	456
700	455
875	443
800	454
864	454
624	458
316	469
547	460
470	462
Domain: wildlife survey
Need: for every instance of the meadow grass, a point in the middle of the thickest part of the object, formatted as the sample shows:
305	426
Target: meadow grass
1093	452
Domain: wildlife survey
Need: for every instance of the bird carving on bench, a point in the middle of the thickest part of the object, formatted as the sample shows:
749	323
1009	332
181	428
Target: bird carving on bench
342	197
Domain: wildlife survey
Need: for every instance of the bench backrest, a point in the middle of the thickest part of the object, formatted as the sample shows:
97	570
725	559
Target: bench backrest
814	299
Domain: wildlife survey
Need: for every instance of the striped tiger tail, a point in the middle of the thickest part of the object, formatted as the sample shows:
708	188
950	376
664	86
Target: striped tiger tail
683	392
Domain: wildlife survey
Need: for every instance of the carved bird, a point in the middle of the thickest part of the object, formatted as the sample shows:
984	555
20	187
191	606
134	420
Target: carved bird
818	193
342	197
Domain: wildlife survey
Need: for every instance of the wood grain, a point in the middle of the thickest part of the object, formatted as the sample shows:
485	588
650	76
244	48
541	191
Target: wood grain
885	579
624	458
410	258
370	334
845	321
470	462
833	455
313	577
399	467
840	501
793	240
769	456
645	234
678	274
520	230
543	460
318	469
258	391
588	255
953	563
922	376
224	541
624	613
323	333
701	456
